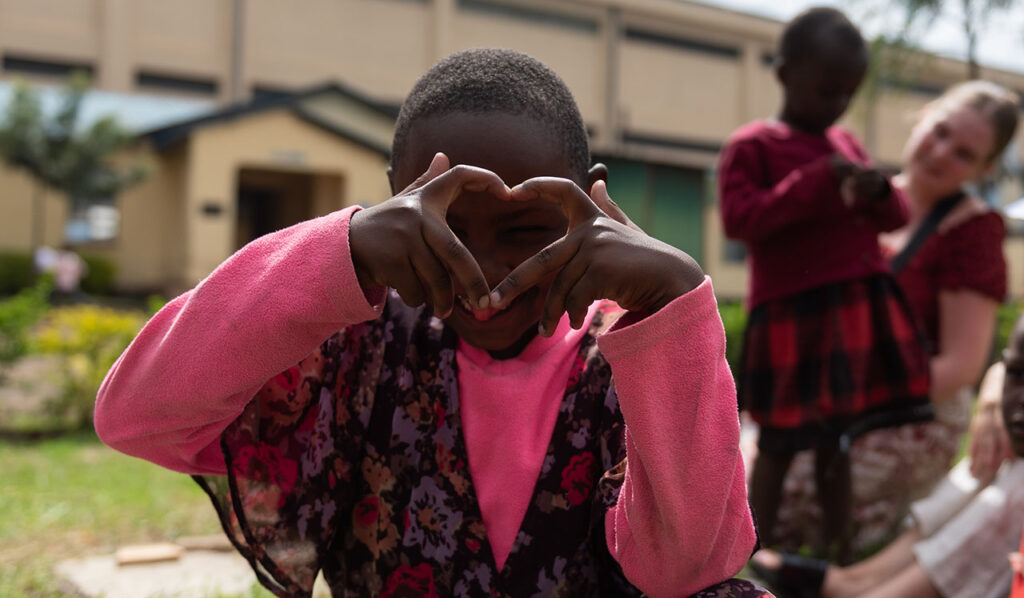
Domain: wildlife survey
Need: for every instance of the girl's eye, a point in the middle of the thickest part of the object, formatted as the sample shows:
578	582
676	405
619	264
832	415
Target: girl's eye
965	155
526	231
940	131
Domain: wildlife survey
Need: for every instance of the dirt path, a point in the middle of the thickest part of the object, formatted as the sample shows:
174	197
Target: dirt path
26	385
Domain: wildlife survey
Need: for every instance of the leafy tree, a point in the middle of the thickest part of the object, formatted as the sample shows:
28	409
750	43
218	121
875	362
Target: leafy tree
62	154
922	14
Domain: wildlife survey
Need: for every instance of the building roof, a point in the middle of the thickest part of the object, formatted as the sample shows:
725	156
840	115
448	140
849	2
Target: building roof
166	119
136	112
307	104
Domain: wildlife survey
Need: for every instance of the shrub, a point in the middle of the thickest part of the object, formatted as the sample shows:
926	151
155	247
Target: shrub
734	317
16	272
18	315
1006	317
89	338
99	279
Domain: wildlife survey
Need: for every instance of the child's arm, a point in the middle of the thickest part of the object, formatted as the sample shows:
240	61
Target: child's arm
681	522
199	361
754	208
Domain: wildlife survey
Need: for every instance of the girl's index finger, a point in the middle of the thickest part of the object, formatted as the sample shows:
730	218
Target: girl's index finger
575	202
534	270
458	260
443	190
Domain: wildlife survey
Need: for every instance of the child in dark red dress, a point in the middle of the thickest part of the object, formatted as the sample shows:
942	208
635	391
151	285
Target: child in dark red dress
830	349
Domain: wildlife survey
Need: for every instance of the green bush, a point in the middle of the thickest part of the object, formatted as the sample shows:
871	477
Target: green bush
99	279
1006	317
89	338
18	315
734	317
16	272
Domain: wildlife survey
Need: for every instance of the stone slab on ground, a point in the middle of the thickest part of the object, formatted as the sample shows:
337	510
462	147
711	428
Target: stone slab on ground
197	574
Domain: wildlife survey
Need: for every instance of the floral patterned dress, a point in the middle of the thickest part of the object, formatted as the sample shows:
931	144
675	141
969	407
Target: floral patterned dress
353	462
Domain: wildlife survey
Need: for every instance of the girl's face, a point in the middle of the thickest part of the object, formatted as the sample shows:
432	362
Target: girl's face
950	146
818	89
1013	391
500	234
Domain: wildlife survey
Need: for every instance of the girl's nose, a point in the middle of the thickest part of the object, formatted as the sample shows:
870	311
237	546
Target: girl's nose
494	270
940	150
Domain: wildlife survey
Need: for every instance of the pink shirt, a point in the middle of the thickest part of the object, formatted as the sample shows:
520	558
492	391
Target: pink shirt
681	522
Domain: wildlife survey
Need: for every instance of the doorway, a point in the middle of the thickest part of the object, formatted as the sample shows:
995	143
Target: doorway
269	200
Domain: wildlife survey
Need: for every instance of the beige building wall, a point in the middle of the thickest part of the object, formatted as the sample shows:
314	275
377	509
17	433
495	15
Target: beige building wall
381	47
17	198
146	250
275	140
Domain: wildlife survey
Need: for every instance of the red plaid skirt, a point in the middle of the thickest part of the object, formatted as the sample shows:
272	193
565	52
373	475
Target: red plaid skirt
833	358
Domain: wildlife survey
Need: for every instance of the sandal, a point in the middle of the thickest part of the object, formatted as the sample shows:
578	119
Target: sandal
798	577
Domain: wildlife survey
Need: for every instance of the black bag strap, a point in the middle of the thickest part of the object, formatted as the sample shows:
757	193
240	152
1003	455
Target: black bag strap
925	230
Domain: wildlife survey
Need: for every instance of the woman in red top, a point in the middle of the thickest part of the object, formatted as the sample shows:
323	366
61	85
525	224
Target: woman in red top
954	282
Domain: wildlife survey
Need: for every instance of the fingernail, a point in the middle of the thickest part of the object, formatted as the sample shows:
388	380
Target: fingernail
494	297
484	302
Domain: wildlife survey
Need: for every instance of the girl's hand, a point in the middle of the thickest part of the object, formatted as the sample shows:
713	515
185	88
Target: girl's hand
870	184
602	256
989	442
858	182
405	243
989	445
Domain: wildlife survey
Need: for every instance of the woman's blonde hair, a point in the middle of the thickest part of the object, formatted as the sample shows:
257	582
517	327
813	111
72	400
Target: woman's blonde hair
996	103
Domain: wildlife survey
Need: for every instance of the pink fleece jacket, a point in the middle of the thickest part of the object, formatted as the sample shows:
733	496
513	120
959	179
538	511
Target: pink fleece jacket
681	522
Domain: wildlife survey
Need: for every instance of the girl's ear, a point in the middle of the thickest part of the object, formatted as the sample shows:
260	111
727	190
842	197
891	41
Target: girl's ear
781	71
597	172
391	179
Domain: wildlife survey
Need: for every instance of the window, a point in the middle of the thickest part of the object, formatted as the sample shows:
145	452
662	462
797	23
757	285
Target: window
532	15
684	44
22	65
92	220
192	85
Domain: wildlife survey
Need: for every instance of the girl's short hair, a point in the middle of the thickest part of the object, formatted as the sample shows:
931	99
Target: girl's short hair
803	36
481	80
996	103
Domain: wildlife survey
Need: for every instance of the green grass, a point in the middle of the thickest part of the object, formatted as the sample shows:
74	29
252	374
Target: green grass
73	497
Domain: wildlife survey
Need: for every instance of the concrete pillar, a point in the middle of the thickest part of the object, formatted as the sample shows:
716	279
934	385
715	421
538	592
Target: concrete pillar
237	88
748	104
609	133
116	65
440	35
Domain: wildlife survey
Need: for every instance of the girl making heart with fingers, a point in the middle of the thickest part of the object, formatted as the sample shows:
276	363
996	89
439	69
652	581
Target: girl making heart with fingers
368	394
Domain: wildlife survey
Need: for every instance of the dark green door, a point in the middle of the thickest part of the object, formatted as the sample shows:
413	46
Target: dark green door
666	201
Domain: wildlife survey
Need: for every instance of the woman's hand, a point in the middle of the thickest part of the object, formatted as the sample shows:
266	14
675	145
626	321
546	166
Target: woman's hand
989	442
860	184
405	243
602	256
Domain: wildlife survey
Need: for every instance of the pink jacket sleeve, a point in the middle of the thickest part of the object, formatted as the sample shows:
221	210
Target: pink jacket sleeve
198	362
682	521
